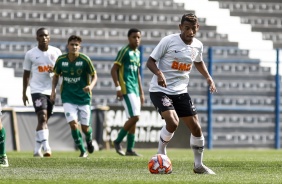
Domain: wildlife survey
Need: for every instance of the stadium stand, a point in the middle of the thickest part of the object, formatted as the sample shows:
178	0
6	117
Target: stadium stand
263	16
243	84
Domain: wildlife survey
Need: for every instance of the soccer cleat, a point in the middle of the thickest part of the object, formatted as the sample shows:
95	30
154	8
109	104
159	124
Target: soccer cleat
37	154
90	147
203	170
47	153
118	148
4	161
132	153
83	155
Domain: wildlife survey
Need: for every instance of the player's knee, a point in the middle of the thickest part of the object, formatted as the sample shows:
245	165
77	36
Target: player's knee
135	118
73	125
171	124
42	117
84	128
196	130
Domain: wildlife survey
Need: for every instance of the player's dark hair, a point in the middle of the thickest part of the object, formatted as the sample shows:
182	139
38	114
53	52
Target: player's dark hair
74	37
190	17
133	30
40	29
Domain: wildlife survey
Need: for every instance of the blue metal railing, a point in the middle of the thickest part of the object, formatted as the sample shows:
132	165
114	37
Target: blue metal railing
277	103
209	95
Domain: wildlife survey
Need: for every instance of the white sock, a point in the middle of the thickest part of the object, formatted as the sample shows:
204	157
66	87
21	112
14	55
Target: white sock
164	139
197	145
38	145
44	136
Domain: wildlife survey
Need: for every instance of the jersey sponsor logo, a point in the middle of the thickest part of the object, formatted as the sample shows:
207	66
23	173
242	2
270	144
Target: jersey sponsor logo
133	67
43	68
137	61
79	63
131	53
181	66
65	64
72	80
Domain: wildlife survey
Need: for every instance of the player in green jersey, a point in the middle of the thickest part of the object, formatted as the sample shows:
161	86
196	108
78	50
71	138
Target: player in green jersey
126	76
79	78
3	156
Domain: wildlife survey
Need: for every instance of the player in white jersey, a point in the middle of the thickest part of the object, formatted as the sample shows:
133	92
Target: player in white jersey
38	67
171	62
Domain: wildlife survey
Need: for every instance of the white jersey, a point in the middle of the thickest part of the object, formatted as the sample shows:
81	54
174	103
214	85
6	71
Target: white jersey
37	61
175	59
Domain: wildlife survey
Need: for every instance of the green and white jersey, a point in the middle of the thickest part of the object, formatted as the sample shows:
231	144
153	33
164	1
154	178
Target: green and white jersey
129	62
76	75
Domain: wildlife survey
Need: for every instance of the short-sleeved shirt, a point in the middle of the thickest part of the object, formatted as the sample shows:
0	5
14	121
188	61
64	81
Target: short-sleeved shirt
175	59
76	75
129	62
36	61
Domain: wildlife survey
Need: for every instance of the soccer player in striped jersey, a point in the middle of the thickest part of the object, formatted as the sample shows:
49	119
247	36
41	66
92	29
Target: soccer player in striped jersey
171	63
38	67
3	156
126	76
79	78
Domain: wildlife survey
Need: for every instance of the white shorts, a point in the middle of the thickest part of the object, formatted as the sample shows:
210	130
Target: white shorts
131	104
79	113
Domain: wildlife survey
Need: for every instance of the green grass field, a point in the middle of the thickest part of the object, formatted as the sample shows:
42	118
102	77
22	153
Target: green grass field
231	166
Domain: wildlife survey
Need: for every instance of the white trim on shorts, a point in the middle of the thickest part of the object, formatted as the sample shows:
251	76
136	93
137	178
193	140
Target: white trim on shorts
79	113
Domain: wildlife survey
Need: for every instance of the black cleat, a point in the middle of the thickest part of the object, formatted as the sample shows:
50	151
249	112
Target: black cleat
90	147
4	161
132	153
83	155
118	148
